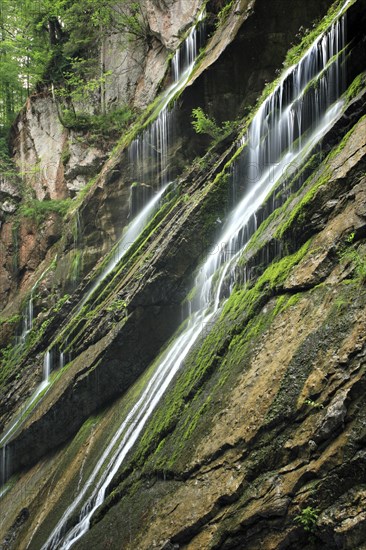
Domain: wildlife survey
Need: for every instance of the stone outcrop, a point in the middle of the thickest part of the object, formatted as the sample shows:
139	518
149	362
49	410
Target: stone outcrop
260	440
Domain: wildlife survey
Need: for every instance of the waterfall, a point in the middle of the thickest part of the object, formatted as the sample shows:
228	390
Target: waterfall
47	366
149	149
287	126
148	153
156	139
128	238
28	314
27	319
19	418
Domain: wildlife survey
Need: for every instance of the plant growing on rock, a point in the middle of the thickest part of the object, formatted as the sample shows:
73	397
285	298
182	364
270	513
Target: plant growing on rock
308	518
357	258
224	13
313	404
203	124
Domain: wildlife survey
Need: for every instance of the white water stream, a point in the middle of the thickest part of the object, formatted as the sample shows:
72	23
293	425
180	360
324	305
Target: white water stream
148	153
155	138
290	122
133	230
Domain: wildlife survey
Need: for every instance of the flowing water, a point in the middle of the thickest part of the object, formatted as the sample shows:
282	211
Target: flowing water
28	314
148	153
27	319
149	149
129	237
290	122
47	366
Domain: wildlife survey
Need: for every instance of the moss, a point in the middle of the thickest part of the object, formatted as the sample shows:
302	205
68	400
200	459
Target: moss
328	336
39	210
76	265
66	154
223	344
356	87
298	50
298	213
13	320
336	150
357	258
224	13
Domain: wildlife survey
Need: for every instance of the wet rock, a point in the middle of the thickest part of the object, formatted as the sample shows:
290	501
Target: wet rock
333	421
344	523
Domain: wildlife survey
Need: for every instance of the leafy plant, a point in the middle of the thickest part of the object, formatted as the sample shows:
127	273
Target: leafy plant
203	124
358	260
308	518
313	404
38	210
107	125
350	238
58	306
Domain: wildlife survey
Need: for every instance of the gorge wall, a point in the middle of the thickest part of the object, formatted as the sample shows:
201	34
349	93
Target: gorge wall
259	439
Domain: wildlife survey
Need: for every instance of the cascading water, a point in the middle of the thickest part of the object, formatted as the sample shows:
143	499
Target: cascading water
130	235
148	153
47	367
150	149
27	319
5	466
28	314
290	122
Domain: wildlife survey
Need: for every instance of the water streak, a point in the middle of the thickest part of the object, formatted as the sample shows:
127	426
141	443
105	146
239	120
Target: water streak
128	238
23	413
148	153
290	122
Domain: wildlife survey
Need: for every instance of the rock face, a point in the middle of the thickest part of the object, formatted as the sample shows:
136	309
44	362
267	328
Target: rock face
259	441
38	145
53	162
168	19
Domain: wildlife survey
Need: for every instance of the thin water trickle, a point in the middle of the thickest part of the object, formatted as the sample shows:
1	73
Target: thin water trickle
148	153
151	148
274	124
47	365
133	230
17	421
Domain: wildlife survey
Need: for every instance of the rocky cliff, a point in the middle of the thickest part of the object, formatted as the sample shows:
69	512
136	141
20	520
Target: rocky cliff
255	435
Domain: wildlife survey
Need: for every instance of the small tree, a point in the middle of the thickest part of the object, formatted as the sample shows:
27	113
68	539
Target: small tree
203	124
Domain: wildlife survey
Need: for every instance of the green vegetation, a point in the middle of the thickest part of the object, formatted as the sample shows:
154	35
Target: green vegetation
53	43
58	306
203	124
313	404
117	305
76	265
298	213
14	319
298	50
356	87
357	258
308	518
99	126
39	210
224	13
232	334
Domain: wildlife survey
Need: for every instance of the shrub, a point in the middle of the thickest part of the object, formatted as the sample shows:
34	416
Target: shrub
308	518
